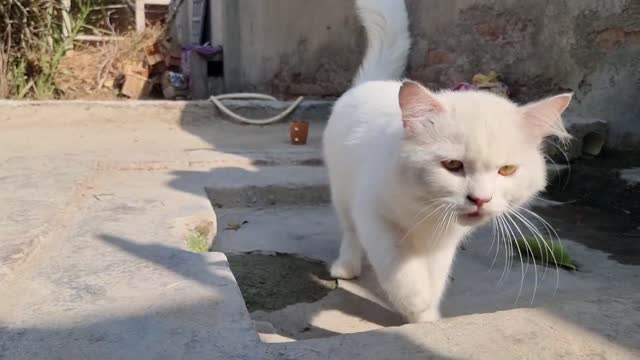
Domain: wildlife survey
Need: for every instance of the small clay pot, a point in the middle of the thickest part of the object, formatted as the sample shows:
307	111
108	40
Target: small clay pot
298	132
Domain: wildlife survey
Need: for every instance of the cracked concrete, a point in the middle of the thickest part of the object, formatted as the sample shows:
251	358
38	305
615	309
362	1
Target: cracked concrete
90	194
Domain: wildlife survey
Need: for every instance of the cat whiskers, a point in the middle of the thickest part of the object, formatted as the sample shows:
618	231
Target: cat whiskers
494	236
566	157
428	205
443	224
523	272
496	232
551	232
508	248
435	203
504	226
444	213
554	201
509	237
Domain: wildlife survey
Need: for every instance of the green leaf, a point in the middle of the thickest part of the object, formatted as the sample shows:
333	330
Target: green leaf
547	252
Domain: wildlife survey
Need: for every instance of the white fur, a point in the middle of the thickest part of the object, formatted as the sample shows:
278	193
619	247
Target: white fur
387	27
395	200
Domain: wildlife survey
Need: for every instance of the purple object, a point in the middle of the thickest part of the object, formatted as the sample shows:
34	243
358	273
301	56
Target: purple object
205	51
463	86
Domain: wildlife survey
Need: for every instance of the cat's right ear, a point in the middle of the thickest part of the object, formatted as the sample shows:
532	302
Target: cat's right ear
544	118
418	105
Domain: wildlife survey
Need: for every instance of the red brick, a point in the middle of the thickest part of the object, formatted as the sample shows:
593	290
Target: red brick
610	39
632	39
438	57
136	87
490	31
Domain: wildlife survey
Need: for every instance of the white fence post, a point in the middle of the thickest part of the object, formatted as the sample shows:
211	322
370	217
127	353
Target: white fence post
140	16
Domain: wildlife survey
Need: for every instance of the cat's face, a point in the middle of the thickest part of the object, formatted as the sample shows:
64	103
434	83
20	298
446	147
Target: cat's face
476	153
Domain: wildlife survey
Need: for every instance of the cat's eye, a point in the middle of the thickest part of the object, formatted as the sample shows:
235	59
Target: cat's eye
453	165
507	170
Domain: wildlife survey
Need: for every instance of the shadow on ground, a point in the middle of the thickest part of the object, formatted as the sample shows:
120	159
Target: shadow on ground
602	210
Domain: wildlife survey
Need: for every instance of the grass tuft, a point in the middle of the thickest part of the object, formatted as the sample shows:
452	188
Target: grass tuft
198	240
33	41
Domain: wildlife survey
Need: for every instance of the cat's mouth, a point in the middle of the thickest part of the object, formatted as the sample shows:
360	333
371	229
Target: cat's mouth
475	216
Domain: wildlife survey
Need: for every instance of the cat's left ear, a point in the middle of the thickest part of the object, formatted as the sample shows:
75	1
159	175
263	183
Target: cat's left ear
544	118
418	105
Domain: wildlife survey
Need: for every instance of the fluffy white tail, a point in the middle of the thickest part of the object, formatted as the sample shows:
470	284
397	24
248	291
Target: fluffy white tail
387	26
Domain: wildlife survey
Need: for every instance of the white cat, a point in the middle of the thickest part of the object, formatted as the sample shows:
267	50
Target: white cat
412	172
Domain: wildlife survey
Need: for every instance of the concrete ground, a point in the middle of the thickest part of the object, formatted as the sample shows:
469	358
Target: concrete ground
93	262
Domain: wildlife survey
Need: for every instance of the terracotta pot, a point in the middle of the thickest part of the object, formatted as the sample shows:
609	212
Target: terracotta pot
298	132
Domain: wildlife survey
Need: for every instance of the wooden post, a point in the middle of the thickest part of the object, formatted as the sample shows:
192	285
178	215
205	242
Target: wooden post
140	18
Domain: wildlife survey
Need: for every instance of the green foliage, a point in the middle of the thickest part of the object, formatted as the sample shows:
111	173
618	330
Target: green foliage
197	241
33	42
546	252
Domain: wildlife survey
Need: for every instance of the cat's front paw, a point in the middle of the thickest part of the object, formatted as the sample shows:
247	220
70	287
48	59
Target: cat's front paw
344	270
426	316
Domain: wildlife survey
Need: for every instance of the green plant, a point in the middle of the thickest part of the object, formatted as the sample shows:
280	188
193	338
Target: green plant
34	41
197	240
18	79
547	252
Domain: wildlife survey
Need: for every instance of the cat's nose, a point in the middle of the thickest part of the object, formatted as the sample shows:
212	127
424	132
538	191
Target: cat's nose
477	200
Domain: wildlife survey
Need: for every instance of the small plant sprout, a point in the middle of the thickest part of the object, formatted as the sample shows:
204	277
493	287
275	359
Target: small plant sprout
198	240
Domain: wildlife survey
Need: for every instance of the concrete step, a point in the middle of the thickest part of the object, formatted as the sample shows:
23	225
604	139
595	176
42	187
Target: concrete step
118	284
129	301
514	334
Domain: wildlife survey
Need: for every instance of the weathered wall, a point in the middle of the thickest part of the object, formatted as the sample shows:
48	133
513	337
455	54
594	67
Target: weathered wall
540	47
592	47
288	46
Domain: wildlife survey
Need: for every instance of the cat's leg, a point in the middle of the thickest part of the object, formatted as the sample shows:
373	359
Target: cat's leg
404	277
439	268
349	262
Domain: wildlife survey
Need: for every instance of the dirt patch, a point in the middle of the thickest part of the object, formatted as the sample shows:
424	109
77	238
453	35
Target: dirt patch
91	71
272	282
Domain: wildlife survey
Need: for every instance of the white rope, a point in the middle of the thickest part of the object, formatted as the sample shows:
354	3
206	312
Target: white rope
245	96
217	101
